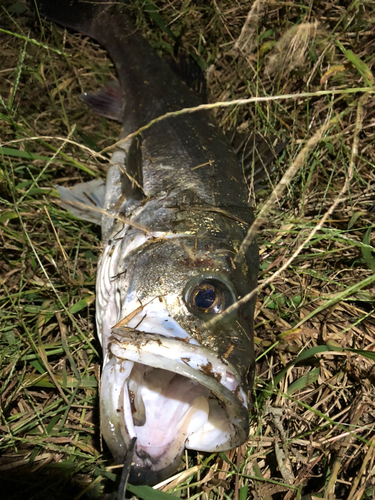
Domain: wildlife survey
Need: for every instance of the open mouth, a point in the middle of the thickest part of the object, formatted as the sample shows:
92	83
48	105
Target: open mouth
171	395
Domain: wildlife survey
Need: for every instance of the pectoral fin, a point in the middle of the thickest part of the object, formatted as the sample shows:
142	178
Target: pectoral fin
84	200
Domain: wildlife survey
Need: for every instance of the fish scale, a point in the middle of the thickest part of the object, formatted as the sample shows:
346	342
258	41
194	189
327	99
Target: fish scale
173	211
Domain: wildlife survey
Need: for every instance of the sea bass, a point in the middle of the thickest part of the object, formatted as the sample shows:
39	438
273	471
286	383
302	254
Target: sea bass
173	212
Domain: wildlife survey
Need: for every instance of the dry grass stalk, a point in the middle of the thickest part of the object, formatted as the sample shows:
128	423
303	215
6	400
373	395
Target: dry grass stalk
290	52
246	41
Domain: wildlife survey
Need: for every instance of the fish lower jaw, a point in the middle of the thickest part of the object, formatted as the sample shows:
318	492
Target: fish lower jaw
155	389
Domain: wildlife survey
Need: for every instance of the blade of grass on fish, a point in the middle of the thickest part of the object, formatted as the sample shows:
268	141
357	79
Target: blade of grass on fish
134	313
126	470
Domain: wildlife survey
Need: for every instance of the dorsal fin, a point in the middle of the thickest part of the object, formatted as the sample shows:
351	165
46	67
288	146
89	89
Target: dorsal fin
190	72
255	153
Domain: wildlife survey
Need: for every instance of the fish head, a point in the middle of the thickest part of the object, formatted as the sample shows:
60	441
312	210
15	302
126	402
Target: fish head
172	377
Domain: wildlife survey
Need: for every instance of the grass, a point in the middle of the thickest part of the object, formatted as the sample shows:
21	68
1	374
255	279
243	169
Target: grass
312	428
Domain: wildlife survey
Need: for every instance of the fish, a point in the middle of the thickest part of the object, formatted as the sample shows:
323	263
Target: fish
173	212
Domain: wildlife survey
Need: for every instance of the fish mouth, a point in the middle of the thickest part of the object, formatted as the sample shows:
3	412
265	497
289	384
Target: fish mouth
170	395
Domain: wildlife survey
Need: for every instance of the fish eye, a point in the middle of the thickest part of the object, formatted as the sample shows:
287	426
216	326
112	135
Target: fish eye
210	296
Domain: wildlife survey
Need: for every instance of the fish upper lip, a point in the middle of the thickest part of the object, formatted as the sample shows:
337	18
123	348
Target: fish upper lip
128	343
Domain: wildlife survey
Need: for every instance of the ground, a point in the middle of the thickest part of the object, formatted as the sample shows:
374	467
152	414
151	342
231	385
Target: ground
306	71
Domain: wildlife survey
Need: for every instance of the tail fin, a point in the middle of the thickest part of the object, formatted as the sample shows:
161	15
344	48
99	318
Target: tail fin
80	15
142	74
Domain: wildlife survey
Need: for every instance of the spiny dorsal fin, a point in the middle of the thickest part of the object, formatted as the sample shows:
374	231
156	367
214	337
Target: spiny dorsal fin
190	72
132	177
256	154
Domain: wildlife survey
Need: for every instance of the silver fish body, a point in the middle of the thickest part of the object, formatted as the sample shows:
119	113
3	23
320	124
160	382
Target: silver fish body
175	212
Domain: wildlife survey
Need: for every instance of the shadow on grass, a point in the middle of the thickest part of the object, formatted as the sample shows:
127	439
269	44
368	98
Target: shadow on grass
50	482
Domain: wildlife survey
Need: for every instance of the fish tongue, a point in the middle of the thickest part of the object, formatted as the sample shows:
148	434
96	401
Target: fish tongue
159	407
175	408
178	409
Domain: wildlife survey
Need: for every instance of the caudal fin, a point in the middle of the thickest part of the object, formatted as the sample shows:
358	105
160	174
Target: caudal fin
72	13
91	18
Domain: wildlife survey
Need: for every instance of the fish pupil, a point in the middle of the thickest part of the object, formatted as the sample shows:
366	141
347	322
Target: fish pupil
205	298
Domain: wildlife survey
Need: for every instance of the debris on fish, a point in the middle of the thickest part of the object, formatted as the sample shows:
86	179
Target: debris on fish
174	212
